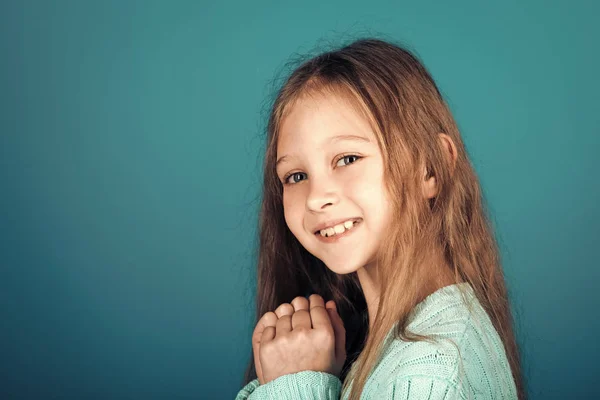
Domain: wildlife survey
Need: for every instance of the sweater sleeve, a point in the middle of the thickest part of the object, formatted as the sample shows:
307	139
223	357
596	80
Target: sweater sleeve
304	385
423	387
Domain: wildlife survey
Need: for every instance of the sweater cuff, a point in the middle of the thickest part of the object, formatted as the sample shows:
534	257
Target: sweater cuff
303	385
247	390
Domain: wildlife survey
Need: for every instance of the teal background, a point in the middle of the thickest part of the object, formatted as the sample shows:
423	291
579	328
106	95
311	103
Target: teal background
130	150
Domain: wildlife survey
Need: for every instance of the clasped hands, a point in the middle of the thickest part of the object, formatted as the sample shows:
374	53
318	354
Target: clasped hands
306	335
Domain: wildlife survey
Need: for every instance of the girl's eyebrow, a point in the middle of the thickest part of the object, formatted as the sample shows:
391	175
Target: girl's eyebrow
332	139
348	137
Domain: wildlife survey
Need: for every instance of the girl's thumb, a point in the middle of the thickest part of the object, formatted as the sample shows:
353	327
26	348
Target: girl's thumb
338	329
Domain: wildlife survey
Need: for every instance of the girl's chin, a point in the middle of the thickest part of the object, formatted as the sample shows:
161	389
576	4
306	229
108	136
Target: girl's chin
342	269
340	265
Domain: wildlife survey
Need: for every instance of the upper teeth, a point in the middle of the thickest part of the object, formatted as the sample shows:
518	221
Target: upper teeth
337	229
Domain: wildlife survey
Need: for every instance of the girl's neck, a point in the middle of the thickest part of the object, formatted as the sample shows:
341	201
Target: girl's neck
369	282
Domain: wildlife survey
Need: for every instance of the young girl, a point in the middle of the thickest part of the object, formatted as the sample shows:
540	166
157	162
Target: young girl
377	265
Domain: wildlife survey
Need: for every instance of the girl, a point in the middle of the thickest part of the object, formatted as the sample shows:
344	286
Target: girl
371	202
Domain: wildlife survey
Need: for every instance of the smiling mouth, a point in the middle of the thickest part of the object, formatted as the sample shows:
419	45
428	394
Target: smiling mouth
330	235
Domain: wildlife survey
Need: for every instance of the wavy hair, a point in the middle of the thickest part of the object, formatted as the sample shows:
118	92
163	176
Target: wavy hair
390	88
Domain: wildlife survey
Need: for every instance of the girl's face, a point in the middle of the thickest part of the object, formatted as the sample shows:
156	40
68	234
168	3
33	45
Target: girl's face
332	173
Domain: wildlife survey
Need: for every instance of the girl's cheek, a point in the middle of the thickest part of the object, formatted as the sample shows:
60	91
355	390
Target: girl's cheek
292	210
290	199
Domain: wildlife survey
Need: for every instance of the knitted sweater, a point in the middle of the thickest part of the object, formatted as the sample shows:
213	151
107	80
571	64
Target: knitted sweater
468	360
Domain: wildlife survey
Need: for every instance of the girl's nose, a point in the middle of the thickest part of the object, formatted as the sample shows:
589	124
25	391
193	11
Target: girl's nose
321	196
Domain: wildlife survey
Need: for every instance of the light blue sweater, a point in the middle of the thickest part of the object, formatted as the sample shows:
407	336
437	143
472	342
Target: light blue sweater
467	362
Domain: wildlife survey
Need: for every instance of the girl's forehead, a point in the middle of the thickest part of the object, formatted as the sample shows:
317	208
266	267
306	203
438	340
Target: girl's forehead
315	99
318	116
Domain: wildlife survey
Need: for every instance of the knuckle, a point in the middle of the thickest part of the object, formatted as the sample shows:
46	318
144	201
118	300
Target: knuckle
283	322
266	333
284	308
327	339
268	318
300	302
267	349
269	315
325	334
285	318
283	342
301	334
302	330
268	329
315	297
303	313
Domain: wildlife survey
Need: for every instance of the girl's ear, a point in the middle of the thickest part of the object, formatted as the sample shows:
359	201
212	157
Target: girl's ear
430	184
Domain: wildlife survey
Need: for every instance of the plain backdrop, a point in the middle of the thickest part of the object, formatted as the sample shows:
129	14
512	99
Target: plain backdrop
131	138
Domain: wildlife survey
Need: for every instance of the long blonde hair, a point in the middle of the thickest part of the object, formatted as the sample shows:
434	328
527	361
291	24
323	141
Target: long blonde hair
394	91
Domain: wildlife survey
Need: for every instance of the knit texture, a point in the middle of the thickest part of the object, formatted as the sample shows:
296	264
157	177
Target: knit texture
467	360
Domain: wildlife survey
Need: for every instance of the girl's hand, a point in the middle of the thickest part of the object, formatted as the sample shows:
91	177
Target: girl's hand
268	319
306	335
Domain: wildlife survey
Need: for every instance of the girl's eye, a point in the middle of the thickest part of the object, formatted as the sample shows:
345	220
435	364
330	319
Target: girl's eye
296	176
352	157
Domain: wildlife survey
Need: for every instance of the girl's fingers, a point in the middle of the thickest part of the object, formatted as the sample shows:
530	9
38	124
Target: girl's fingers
284	309
268	319
300	303
301	319
318	314
316	300
268	334
338	328
284	325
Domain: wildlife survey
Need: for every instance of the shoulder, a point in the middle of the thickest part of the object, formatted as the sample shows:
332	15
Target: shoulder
464	353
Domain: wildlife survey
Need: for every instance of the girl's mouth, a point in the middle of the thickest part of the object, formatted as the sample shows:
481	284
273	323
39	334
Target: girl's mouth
337	236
